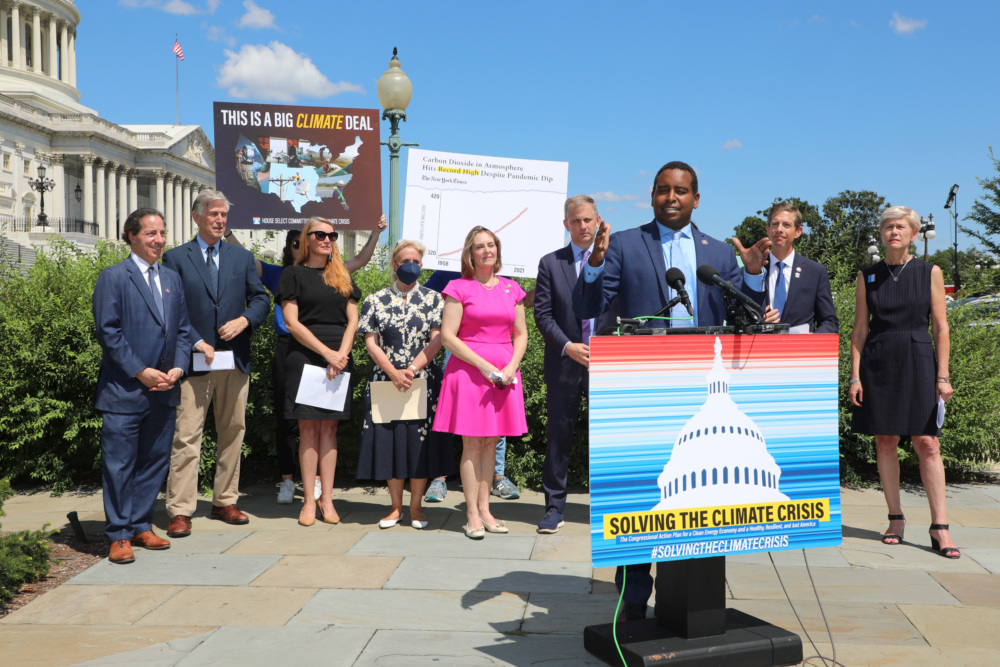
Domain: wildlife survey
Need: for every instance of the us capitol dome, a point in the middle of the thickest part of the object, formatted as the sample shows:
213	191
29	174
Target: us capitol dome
719	457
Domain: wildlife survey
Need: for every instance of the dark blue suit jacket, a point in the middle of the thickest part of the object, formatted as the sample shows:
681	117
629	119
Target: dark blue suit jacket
635	273
555	319
809	299
240	293
133	336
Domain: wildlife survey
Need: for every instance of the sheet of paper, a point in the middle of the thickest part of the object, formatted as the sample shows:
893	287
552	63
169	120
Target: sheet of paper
799	329
390	404
223	361
319	392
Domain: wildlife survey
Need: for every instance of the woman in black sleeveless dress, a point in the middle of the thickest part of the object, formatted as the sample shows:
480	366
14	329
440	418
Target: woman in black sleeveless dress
895	381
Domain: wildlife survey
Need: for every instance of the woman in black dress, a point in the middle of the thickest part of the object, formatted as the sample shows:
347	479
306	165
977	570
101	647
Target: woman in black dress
895	382
320	304
402	329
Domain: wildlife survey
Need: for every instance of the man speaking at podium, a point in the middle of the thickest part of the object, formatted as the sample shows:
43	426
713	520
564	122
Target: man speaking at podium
632	266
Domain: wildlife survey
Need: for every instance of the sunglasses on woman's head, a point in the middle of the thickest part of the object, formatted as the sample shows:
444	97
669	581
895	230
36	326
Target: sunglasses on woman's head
322	236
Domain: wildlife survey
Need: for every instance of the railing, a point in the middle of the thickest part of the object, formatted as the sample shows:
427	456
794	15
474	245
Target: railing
51	226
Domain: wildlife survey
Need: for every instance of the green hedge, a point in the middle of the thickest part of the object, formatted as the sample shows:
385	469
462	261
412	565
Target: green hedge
49	360
24	555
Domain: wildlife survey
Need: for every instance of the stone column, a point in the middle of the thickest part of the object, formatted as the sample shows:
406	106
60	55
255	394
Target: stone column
188	198
123	209
3	36
72	57
15	34
36	39
88	187
63	53
159	174
61	190
112	200
133	189
102	214
179	208
53	52
173	235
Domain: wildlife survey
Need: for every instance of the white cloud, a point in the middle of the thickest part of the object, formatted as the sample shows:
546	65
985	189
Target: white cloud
816	18
256	17
731	144
902	25
641	205
215	33
608	195
213	5
276	73
180	7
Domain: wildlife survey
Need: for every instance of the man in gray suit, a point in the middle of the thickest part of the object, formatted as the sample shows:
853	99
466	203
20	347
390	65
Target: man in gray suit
226	302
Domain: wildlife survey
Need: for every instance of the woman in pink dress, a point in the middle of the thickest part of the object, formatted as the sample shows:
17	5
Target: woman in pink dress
481	394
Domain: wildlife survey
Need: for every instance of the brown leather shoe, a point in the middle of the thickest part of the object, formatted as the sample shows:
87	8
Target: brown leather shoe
121	552
180	526
150	540
230	514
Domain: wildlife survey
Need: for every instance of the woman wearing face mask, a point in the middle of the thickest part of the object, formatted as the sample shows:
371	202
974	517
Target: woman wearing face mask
402	329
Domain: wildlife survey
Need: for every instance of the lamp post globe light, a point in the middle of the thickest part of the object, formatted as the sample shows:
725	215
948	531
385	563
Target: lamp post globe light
926	232
42	185
873	249
394	92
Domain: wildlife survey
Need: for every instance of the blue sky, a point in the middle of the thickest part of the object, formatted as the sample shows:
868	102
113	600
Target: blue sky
765	99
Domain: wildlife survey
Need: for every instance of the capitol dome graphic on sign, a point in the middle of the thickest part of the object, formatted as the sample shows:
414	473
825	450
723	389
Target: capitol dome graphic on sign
719	457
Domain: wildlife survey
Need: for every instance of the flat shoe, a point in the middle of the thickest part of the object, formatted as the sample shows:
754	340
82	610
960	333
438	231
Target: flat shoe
387	523
419	525
474	534
498	528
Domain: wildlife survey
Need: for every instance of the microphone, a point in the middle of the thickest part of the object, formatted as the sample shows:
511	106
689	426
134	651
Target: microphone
710	276
675	278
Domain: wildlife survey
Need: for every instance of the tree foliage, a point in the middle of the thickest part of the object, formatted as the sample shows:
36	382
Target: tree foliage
986	210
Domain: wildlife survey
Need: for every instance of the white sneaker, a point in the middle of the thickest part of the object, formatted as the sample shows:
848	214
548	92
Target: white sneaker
286	492
318	490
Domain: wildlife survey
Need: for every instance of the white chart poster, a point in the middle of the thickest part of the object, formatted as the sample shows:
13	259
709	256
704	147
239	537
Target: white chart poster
521	201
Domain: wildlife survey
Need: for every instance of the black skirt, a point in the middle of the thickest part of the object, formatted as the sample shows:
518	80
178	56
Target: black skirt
299	356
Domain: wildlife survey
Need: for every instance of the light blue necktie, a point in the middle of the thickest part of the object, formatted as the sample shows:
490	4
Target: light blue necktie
780	295
157	299
678	261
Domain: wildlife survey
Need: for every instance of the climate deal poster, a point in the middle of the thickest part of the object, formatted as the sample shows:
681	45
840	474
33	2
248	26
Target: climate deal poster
281	165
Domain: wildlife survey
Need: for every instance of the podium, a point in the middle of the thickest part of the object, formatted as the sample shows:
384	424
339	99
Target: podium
703	446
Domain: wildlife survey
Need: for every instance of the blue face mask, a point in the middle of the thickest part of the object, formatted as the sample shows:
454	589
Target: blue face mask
408	272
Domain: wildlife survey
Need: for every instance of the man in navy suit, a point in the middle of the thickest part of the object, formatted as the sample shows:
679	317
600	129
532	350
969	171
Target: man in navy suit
226	302
144	333
798	289
631	265
567	350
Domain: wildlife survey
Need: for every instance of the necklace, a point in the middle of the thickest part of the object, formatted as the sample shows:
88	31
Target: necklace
490	288
895	276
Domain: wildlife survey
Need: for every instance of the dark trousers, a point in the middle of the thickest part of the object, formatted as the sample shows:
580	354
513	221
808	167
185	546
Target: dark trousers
638	582
563	404
286	431
135	453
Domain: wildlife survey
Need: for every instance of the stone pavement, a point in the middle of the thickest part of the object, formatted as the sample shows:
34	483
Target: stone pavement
273	592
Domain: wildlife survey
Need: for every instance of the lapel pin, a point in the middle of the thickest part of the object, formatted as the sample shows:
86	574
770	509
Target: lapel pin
704	242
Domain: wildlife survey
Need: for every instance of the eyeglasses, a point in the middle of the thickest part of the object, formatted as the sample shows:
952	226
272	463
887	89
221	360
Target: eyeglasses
322	236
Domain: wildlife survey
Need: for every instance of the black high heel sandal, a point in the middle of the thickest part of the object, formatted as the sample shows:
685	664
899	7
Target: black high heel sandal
947	552
888	536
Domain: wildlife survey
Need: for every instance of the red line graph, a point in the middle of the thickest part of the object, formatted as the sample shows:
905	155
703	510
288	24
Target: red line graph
495	231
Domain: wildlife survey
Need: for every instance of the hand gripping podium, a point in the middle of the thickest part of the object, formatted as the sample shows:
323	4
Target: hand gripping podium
703	444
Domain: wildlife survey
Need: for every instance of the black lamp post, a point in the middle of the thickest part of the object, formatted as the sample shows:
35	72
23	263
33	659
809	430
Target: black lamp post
42	185
950	204
926	231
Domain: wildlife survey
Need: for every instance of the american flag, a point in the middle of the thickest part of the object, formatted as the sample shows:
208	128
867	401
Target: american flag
178	50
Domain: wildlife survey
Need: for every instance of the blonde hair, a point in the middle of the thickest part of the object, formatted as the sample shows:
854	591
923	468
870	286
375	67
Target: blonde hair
468	267
901	212
403	244
335	274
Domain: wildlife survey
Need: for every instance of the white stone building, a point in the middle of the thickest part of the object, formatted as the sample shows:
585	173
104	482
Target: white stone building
102	171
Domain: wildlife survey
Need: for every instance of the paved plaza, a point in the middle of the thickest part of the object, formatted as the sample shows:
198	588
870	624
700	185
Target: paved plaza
273	592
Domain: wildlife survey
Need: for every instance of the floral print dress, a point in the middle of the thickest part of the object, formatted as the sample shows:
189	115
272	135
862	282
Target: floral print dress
403	449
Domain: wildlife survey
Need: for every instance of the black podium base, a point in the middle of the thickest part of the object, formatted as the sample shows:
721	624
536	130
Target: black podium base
747	642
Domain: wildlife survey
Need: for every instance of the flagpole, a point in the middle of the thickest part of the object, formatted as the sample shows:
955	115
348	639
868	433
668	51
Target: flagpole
177	82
